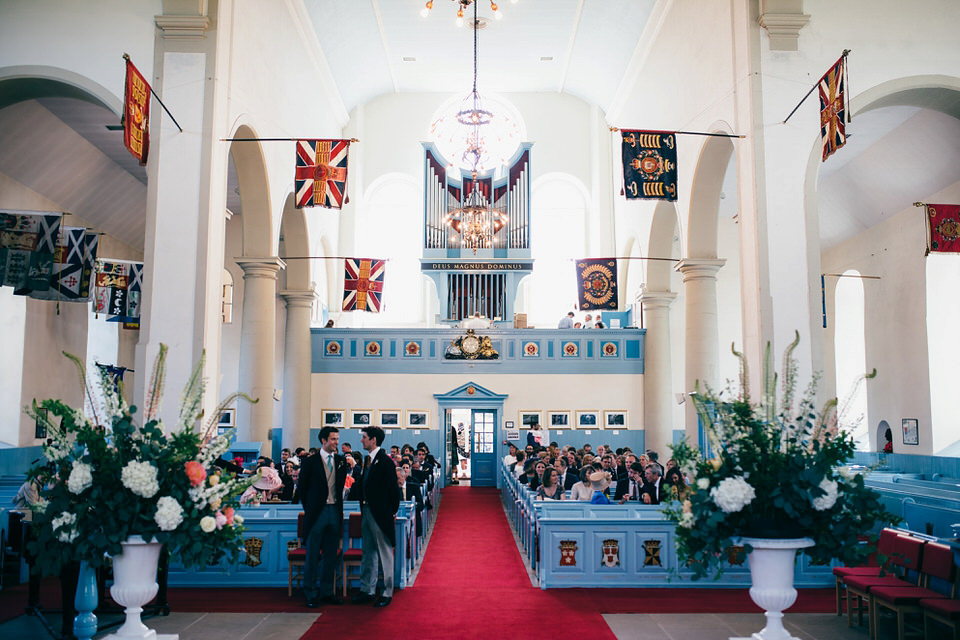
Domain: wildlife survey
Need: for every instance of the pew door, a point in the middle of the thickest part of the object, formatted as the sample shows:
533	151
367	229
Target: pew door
482	448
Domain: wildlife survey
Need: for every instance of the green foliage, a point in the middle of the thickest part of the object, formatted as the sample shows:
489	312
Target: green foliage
87	508
792	457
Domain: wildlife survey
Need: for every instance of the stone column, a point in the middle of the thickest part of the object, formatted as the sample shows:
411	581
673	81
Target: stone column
657	372
296	368
257	339
702	334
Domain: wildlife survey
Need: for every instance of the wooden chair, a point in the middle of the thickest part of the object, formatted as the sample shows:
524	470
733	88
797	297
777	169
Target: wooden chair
296	556
884	548
906	558
942	610
352	556
937	564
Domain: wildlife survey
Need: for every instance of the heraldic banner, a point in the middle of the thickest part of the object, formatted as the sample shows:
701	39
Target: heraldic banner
833	110
28	243
597	283
136	114
363	284
649	164
943	228
321	173
119	284
73	264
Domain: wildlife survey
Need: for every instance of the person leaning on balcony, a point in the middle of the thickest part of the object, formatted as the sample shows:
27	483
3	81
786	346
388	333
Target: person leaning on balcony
566	322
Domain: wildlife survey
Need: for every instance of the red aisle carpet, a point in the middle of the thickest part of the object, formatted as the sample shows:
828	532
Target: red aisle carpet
473	584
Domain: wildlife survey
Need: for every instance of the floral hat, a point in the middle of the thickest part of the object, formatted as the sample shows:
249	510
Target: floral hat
599	480
269	479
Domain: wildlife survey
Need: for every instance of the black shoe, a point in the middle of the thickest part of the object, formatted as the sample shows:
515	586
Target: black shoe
362	598
312	602
382	602
331	599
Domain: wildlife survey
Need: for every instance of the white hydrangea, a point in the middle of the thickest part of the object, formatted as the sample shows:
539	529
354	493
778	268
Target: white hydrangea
733	494
238	519
54	453
688	520
141	478
703	483
67	536
81	477
208	524
64	519
824	502
169	514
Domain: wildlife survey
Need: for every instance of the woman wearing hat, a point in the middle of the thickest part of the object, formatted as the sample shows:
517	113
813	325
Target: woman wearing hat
582	490
262	490
599	481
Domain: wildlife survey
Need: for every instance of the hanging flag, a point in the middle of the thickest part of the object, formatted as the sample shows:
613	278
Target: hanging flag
943	228
28	242
114	373
597	283
649	164
363	284
136	114
118	291
73	265
833	110
321	173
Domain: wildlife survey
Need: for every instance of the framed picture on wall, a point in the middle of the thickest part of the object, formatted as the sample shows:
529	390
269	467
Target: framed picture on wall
418	418
588	419
390	418
615	419
228	419
360	418
40	425
558	419
332	418
911	431
529	418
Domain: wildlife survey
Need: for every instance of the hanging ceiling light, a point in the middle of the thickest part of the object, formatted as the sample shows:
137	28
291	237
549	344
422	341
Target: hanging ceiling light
476	221
460	6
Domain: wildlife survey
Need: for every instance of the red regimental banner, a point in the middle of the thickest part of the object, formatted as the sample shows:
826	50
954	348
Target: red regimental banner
136	114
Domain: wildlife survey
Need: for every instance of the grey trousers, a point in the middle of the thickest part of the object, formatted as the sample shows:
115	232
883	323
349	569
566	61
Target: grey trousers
324	536
376	548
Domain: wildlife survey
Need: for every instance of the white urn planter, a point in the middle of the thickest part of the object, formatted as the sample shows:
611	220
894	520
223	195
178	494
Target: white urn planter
771	574
134	585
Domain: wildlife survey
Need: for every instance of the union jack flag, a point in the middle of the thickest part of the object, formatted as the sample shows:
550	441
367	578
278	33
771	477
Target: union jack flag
321	174
833	109
363	284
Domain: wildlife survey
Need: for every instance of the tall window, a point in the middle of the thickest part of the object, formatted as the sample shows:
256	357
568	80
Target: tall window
943	315
851	357
557	224
390	226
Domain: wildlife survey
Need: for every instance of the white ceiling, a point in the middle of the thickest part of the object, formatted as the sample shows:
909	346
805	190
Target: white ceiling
581	47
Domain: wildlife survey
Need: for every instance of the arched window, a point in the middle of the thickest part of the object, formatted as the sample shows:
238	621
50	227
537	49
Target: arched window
943	316
390	226
557	238
850	353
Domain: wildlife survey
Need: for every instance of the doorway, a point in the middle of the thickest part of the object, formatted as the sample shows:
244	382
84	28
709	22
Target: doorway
470	446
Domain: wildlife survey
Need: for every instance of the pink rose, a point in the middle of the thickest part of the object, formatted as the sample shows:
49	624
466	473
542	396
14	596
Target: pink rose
221	520
195	472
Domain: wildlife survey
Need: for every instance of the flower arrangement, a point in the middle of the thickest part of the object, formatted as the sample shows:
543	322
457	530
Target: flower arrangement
777	471
106	479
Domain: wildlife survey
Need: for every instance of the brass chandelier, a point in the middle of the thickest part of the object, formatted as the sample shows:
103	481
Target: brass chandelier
461	4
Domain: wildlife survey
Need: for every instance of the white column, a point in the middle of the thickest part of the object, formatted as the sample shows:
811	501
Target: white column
657	393
296	368
257	339
702	335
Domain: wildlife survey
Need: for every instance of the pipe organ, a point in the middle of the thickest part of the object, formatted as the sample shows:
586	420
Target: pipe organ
476	276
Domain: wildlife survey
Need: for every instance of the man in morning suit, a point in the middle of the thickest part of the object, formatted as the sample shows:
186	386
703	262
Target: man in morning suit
321	490
653	491
379	501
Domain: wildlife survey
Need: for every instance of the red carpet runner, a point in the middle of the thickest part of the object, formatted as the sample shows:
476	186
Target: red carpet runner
473	584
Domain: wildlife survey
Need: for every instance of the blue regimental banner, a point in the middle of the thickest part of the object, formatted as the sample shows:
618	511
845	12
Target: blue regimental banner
649	164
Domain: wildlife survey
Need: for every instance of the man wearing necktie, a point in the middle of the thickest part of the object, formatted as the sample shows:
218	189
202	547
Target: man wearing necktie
321	490
379	502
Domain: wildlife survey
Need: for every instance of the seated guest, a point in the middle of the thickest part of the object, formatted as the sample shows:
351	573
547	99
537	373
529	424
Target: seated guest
653	491
635	484
537	479
600	482
550	489
511	457
517	467
582	490
262	490
567	478
677	488
289	480
527	474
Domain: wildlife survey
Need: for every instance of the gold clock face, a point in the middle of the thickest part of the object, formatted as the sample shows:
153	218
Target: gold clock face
470	344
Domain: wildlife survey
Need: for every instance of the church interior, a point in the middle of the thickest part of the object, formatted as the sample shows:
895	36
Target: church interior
382	211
